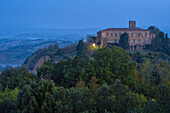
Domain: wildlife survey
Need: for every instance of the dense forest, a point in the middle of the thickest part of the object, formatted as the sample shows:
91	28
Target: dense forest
95	80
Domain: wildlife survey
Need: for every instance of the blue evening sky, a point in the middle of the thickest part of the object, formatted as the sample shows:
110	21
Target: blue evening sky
84	13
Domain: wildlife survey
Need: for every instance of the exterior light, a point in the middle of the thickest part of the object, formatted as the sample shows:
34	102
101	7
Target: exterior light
94	45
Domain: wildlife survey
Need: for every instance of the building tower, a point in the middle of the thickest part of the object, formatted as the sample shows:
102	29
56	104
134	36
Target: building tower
132	24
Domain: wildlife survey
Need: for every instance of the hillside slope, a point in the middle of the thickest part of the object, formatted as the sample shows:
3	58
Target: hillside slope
53	53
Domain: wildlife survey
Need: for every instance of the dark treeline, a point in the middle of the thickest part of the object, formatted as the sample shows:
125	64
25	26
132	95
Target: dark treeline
161	43
103	80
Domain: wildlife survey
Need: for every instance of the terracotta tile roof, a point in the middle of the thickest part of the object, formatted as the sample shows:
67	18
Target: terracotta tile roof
124	29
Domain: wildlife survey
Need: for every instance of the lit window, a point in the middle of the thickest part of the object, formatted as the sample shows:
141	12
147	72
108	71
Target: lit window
133	41
115	41
138	41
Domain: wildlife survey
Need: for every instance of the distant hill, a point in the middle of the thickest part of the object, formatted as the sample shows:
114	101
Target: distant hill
19	42
15	51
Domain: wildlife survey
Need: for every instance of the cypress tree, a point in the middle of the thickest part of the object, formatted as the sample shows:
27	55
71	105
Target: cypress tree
123	43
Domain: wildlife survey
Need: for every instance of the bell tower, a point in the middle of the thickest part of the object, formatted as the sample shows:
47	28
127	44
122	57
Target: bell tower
132	24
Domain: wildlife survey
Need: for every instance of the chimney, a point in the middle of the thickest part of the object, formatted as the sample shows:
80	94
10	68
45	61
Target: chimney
132	24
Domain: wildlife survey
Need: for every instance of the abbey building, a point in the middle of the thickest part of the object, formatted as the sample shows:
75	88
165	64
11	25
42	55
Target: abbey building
138	37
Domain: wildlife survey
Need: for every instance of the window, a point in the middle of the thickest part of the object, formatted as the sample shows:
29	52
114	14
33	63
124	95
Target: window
107	34
144	41
146	34
133	41
139	34
138	41
132	34
115	41
115	34
111	34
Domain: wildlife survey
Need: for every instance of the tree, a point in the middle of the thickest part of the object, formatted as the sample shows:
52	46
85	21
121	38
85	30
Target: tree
45	70
15	77
155	77
51	48
140	99
56	47
119	89
8	94
7	106
167	44
37	97
145	70
81	100
152	28
161	42
127	105
105	100
163	98
64	73
93	84
123	42
139	58
8	100
80	84
81	50
151	107
110	64
114	64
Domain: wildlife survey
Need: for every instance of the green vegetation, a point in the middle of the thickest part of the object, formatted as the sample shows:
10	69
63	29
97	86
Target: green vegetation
123	43
92	80
8	100
161	42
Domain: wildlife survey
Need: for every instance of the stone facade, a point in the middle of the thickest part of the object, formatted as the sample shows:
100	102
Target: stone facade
138	37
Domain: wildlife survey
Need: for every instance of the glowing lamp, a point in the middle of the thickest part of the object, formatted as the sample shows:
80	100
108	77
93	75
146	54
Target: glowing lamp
94	45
